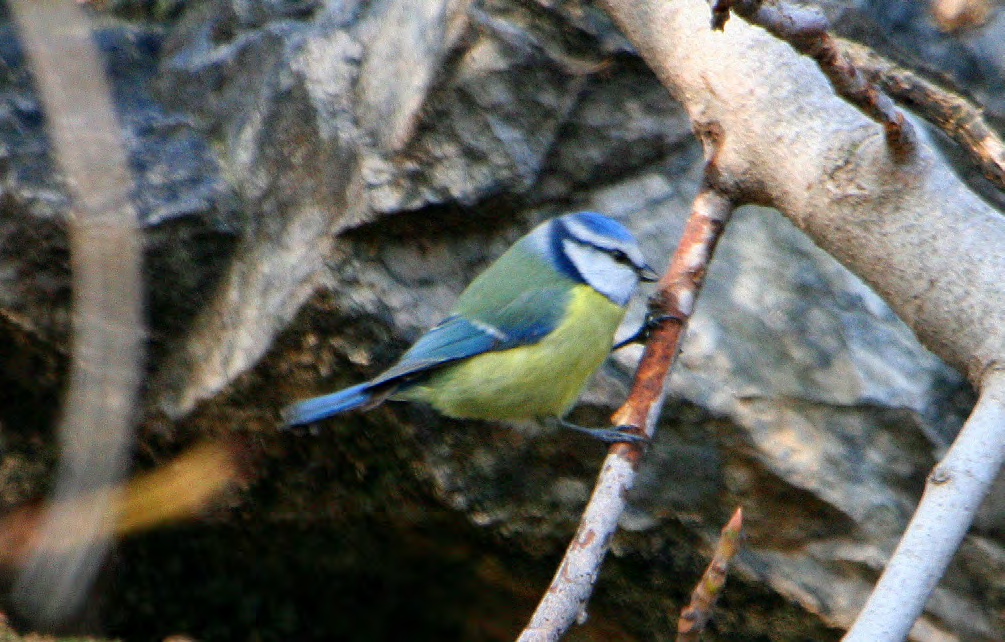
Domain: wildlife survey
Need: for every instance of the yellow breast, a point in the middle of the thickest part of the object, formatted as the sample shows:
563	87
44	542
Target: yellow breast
539	380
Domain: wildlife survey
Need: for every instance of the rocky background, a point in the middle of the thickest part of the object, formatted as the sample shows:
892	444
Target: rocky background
317	182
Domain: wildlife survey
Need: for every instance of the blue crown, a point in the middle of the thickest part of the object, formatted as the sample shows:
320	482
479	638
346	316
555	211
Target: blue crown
601	224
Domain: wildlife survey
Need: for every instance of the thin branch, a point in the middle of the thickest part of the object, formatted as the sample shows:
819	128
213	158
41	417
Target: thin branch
670	308
955	489
952	113
95	430
696	615
805	28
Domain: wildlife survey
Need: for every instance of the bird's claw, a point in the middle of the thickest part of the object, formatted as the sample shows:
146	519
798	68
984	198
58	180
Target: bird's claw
651	322
632	434
614	435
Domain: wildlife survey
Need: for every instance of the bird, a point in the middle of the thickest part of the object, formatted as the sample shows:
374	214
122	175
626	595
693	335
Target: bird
523	337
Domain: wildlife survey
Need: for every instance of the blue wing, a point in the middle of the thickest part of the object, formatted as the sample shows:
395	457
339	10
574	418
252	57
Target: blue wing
525	320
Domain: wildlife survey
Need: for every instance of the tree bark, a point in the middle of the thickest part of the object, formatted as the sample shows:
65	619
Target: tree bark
913	231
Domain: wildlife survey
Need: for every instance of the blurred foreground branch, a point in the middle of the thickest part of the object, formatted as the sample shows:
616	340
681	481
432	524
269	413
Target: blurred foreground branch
97	414
173	491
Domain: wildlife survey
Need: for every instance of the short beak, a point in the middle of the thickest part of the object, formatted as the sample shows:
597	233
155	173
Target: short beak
648	274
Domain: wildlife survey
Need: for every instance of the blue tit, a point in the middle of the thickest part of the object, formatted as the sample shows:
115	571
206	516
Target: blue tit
523	337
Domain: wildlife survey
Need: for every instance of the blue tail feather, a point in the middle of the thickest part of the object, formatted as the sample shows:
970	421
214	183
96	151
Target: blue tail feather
317	408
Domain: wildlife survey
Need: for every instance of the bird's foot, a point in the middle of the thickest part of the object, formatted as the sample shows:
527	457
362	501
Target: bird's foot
613	435
646	329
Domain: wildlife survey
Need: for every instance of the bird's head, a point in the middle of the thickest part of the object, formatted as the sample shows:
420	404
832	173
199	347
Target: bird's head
598	251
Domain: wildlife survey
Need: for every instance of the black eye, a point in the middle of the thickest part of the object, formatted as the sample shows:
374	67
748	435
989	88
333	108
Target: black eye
620	257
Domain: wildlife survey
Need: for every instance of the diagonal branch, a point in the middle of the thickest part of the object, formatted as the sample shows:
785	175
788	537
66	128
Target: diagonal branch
952	495
95	430
670	308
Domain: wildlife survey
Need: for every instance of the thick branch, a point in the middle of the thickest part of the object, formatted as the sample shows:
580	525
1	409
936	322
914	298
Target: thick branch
955	489
911	230
670	308
915	233
107	323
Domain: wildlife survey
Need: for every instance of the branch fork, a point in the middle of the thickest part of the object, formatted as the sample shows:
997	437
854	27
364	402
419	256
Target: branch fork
806	30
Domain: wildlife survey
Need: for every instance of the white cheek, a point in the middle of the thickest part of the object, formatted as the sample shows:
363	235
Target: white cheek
614	280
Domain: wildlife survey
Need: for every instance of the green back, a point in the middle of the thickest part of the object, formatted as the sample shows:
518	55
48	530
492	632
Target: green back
520	273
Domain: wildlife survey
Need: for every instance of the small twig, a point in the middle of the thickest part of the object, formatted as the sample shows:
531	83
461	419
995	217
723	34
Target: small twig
960	15
670	307
805	28
950	112
96	427
952	496
696	615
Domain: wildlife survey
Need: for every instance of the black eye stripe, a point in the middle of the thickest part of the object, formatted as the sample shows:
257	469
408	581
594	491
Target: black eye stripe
619	256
